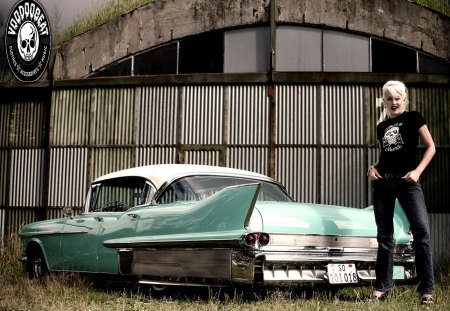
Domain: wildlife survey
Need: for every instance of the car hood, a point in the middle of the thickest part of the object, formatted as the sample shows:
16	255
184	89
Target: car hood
319	219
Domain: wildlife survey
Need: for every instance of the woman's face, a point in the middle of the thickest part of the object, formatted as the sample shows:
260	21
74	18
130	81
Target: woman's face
395	104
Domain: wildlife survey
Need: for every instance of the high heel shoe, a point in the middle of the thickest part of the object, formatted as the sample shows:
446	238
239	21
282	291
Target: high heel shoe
426	300
379	296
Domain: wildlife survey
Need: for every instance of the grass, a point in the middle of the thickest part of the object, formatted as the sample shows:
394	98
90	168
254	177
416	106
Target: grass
106	12
66	292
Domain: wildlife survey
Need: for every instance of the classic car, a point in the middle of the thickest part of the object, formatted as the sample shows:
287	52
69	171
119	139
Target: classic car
211	226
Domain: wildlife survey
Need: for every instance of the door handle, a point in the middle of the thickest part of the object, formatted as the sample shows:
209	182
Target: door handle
98	218
133	215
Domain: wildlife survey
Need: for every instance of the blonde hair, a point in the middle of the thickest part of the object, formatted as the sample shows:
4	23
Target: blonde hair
395	88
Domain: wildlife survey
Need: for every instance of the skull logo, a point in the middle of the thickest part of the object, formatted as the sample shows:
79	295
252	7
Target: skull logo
392	136
28	41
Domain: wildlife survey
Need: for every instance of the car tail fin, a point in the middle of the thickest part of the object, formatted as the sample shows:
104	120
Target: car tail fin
228	209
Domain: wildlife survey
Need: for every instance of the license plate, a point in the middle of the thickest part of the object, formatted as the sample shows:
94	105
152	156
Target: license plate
342	273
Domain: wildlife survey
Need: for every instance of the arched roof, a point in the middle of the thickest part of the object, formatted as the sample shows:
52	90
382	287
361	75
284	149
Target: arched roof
164	21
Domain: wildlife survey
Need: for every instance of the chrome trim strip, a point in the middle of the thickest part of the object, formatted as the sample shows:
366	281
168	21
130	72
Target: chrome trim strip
173	283
174	244
317	241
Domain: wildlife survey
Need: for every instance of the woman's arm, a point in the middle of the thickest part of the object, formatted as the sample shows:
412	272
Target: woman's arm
430	150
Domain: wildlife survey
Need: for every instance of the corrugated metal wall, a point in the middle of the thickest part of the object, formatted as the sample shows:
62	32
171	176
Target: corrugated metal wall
324	141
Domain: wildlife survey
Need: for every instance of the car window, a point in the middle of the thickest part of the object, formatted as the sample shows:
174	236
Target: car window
197	188
120	194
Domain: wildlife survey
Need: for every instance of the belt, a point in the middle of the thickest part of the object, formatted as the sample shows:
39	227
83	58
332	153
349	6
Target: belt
391	175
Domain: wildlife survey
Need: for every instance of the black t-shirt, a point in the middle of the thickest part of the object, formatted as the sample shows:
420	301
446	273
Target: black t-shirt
398	139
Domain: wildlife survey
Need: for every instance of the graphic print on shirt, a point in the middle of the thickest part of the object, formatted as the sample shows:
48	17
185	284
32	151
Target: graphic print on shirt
392	139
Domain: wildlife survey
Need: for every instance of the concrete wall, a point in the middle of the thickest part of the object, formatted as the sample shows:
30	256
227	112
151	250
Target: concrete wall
165	20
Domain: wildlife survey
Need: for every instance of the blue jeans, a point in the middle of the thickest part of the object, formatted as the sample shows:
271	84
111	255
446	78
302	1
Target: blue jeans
410	196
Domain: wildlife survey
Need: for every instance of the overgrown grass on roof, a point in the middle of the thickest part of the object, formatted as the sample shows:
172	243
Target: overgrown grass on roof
106	12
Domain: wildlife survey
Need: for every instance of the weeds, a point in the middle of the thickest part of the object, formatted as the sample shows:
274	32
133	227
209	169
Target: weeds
73	292
108	11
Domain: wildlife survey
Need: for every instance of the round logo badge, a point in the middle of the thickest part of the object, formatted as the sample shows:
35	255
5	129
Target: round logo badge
28	40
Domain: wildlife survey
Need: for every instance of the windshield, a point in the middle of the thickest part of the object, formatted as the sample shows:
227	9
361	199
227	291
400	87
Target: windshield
197	188
118	195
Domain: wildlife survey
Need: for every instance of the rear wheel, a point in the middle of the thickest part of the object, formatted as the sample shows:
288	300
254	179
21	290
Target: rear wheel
36	264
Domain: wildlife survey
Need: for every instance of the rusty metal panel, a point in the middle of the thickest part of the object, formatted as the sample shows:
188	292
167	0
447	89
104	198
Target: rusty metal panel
155	155
157	115
112	116
248	115
343	184
69	118
27	124
203	114
296	114
296	169
202	157
4	176
68	176
342	114
255	159
27	182
5	109
107	160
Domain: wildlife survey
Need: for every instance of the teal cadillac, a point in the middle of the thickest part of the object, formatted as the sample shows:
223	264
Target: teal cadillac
211	226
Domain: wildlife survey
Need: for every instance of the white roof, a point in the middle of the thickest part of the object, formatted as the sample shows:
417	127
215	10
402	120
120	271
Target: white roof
159	174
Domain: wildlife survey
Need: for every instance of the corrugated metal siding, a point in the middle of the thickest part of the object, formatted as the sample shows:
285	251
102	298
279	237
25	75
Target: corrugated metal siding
28	124
155	155
58	212
296	169
373	98
68	176
4	124
434	105
254	159
203	115
248	115
112	117
20	216
440	236
4	176
2	226
69	120
206	157
28	180
436	181
325	138
296	114
157	115
107	160
342	115
343	184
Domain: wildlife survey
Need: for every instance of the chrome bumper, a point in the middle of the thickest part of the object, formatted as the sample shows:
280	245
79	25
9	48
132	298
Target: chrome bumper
280	268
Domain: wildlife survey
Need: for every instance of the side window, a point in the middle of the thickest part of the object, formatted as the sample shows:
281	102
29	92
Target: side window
120	194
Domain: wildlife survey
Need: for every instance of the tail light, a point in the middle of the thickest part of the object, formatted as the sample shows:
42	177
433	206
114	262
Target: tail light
264	239
251	238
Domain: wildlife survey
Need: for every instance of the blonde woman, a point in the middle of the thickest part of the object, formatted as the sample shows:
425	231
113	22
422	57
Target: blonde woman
396	176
